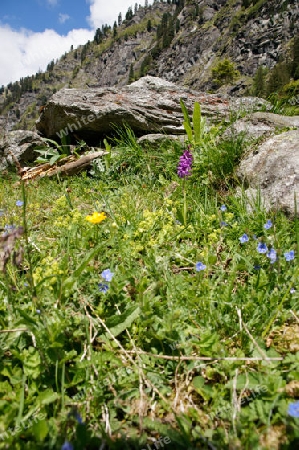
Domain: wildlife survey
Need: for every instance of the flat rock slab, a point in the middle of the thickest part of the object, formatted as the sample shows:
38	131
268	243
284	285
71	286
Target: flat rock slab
150	105
274	169
158	139
261	124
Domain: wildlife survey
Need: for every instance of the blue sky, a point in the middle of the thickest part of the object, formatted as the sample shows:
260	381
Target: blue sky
37	15
33	32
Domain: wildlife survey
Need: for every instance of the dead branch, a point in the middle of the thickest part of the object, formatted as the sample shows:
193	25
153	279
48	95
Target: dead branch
66	166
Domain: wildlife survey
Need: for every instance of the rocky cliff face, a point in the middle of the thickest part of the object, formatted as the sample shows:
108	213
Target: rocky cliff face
224	29
202	33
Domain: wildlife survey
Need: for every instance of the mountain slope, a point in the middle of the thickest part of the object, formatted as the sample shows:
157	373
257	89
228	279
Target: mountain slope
211	46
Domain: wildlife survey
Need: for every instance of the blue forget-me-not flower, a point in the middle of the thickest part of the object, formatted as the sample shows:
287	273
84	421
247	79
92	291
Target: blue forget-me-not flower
107	275
103	287
289	256
268	224
262	247
293	409
272	255
200	266
244	238
67	446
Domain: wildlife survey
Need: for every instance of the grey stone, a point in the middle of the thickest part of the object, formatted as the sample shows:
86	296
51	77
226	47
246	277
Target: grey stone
261	124
274	169
150	105
157	139
20	143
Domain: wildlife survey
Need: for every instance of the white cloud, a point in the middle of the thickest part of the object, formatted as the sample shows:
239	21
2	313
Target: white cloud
103	11
25	52
63	17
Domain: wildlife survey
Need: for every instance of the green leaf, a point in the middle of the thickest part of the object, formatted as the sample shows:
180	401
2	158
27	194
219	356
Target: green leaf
197	123
188	130
28	320
185	112
41	160
40	430
249	380
107	145
65	147
117	324
47	397
32	362
208	341
51	141
54	159
203	389
71	281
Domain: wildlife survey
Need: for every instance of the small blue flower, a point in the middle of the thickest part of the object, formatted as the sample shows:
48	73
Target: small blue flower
67	446
223	224
38	311
9	227
75	414
289	256
200	266
103	287
262	247
19	203
79	418
268	225
244	238
223	208
256	267
293	409
272	255
292	290
107	275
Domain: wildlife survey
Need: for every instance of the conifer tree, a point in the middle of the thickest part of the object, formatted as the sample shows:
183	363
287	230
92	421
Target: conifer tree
259	82
115	29
295	59
120	20
129	14
131	74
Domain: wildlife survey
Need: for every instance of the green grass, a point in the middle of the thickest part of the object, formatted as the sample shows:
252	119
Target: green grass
202	359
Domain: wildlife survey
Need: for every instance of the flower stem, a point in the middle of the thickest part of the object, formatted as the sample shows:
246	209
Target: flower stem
25	226
185	203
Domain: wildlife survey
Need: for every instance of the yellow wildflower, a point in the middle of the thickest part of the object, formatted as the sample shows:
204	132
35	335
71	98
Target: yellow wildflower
96	217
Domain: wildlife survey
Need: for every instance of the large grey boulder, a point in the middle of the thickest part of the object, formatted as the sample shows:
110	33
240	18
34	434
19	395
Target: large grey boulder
274	169
21	144
150	105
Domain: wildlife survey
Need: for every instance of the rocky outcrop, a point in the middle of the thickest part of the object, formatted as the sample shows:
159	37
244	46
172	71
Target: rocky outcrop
274	169
250	37
261	124
150	105
21	144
